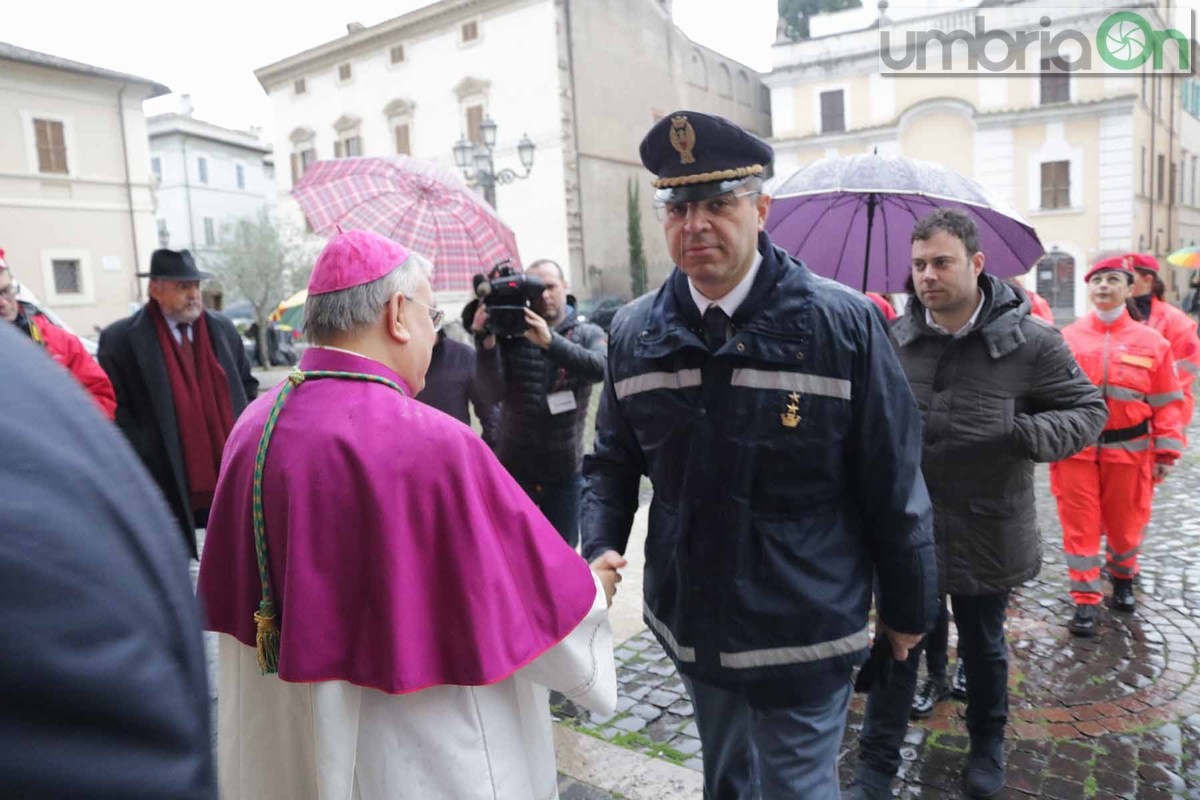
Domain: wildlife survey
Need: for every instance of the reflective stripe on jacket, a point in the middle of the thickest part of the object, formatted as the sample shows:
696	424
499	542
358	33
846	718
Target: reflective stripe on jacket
786	472
1132	365
1180	332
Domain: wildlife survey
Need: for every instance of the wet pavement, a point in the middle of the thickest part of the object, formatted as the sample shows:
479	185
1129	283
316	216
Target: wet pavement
1117	716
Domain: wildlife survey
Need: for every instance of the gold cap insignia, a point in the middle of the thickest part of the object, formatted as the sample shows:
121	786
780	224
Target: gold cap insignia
683	138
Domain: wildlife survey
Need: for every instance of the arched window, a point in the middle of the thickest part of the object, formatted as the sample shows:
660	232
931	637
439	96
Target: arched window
304	151
743	89
1056	280
697	73
348	142
399	115
724	81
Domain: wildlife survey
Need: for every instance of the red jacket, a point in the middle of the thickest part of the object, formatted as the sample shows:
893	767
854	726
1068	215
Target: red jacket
889	313
1132	365
66	349
1180	331
1040	308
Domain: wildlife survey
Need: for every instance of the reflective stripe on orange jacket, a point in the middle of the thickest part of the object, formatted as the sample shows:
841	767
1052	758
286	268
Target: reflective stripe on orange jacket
1133	366
1180	332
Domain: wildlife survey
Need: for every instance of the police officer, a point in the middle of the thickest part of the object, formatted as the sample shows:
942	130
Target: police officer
770	413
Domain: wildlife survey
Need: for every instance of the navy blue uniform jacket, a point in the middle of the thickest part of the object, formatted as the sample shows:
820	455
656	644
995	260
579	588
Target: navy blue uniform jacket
102	684
786	472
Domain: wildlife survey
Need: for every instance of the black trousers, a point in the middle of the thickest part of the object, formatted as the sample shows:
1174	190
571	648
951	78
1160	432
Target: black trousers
937	642
981	647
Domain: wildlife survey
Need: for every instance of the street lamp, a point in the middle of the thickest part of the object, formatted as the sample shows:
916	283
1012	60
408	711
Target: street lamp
475	160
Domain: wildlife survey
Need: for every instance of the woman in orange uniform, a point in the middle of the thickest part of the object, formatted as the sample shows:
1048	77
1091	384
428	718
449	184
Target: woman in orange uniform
1108	487
1176	327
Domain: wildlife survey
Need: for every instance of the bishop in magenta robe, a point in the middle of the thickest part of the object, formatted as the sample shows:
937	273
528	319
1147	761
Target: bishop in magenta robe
422	605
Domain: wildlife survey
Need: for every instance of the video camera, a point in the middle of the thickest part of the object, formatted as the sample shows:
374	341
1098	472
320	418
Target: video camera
506	294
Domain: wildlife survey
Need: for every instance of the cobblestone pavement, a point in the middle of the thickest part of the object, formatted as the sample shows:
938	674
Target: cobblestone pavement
1117	716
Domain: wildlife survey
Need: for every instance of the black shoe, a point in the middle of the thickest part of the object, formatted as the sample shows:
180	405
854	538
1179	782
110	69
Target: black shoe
868	784
1122	595
958	684
1084	622
984	776
931	692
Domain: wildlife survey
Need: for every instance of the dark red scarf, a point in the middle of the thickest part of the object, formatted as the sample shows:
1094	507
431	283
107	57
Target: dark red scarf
203	408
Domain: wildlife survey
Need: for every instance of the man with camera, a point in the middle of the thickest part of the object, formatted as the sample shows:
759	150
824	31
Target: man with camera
543	373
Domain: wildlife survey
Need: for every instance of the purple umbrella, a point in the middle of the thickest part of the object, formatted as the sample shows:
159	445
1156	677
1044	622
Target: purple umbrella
851	219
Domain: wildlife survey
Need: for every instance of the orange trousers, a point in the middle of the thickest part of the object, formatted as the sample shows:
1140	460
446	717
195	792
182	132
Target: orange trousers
1096	498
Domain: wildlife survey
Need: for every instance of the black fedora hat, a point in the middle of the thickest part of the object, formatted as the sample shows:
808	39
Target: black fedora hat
174	266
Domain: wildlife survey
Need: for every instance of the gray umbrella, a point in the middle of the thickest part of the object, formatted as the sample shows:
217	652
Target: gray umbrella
850	218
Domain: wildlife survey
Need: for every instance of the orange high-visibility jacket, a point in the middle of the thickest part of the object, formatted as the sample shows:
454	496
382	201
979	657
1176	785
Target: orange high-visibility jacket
1039	307
1180	331
1133	366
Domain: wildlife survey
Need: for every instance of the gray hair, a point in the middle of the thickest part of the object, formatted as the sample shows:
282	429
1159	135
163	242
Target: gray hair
328	316
547	262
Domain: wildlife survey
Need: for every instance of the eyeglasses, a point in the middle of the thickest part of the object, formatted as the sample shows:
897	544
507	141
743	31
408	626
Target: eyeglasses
436	314
723	206
11	291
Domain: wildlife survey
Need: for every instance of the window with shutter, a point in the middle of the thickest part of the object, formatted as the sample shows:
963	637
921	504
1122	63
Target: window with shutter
51	146
403	147
345	72
1056	184
338	149
833	111
1055	81
397	53
470	31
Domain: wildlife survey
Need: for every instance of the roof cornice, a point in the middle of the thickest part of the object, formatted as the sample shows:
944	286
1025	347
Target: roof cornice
413	23
165	125
11	52
983	119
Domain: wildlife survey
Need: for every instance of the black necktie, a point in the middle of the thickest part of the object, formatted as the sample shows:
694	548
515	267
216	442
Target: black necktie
716	327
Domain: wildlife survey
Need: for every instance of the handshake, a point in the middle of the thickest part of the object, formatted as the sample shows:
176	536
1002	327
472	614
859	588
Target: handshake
606	567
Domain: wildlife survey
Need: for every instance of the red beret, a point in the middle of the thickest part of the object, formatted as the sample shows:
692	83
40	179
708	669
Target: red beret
3	263
1143	261
1114	264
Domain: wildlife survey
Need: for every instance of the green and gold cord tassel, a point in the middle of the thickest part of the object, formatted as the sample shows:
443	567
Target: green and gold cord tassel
266	620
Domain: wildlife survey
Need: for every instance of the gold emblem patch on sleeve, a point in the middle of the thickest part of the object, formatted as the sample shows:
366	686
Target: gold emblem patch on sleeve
790	419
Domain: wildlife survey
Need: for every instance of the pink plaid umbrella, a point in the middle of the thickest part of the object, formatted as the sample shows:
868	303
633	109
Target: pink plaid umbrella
414	202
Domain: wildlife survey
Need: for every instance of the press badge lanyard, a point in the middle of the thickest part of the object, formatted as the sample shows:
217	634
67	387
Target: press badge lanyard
561	399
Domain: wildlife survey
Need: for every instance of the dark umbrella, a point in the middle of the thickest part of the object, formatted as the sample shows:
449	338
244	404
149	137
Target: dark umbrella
851	219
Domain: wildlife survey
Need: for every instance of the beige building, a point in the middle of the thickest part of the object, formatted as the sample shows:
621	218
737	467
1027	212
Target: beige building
1189	166
583	80
76	199
1090	158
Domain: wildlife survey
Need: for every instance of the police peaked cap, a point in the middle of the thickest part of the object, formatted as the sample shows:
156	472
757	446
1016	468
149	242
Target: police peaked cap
697	155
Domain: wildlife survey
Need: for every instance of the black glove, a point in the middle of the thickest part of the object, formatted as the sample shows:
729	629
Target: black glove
878	669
